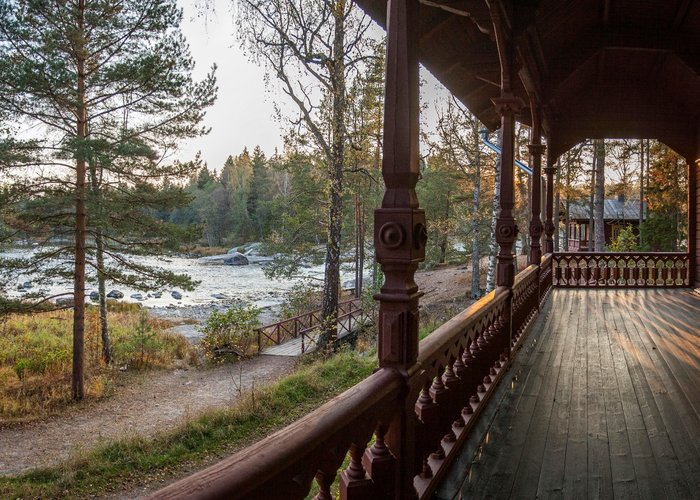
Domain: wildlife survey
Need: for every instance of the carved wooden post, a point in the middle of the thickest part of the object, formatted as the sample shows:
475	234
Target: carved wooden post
507	105
399	225
549	223
536	149
506	231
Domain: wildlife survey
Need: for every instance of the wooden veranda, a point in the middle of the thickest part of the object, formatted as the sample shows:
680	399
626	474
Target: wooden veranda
603	401
571	70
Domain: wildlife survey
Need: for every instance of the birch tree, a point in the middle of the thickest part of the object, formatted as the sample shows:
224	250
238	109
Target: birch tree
314	49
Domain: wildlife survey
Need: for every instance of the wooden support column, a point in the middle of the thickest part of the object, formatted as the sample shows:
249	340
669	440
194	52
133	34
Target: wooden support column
549	223
536	149
399	225
694	219
507	105
399	228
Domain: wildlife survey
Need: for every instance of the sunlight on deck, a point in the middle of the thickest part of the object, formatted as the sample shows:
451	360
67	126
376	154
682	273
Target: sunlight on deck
604	402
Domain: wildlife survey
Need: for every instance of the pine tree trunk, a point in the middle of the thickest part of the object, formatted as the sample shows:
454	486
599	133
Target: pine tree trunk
102	290
496	208
331	284
599	200
476	250
77	381
99	257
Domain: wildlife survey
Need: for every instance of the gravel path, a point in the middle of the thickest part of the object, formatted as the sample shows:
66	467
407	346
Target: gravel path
142	408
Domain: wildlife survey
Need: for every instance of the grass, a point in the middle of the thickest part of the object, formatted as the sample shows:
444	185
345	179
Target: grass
130	462
36	357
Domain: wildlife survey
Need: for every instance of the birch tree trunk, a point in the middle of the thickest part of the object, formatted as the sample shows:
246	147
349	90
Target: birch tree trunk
496	208
476	199
331	281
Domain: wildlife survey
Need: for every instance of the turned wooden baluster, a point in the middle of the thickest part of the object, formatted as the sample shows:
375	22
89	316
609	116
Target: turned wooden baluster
470	376
428	412
380	464
325	481
354	482
441	395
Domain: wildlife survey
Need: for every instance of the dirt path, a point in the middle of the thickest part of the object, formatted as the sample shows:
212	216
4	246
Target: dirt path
144	408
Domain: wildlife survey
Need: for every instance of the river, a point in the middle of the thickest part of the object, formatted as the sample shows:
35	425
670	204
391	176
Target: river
232	284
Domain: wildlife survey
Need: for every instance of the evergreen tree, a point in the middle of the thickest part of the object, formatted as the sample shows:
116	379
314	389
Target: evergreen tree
109	84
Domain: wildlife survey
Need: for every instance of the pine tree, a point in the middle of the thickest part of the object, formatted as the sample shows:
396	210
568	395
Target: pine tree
110	84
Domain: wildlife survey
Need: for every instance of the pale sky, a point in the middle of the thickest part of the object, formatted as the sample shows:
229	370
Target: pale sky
243	114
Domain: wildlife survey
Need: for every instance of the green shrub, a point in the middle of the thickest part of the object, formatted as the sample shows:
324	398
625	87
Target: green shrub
231	332
303	297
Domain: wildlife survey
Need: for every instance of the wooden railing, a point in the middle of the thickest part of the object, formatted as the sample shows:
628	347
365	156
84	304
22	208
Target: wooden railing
418	419
621	270
305	325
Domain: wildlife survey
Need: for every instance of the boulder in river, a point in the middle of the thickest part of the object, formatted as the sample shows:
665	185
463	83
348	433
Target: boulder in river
236	259
157	295
65	302
219	296
176	295
115	294
137	296
94	296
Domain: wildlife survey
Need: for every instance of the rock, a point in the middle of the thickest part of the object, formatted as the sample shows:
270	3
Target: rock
27	284
65	302
136	296
157	295
236	259
94	296
115	294
176	295
219	296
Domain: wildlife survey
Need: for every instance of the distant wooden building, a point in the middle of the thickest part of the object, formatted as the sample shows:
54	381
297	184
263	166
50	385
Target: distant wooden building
617	213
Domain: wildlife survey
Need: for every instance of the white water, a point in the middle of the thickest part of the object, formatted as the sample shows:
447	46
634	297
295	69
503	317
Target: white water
243	283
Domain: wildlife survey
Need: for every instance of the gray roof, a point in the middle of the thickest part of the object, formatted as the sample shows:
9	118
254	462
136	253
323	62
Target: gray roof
614	209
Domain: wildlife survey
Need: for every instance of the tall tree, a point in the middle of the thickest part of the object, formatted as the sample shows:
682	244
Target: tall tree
495	210
599	198
75	70
314	48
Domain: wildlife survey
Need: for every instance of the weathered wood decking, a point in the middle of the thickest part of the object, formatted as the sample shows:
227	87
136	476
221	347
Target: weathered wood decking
603	401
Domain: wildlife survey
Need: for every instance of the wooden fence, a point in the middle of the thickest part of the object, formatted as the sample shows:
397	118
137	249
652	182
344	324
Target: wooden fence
306	326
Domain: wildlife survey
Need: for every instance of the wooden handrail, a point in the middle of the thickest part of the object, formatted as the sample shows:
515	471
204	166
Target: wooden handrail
277	466
438	400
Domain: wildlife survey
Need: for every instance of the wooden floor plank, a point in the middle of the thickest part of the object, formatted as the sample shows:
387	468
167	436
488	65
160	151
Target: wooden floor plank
641	370
551	481
531	457
511	434
599	469
624	481
645	469
576	462
605	405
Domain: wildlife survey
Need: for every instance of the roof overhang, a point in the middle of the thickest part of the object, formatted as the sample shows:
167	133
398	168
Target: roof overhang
597	68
